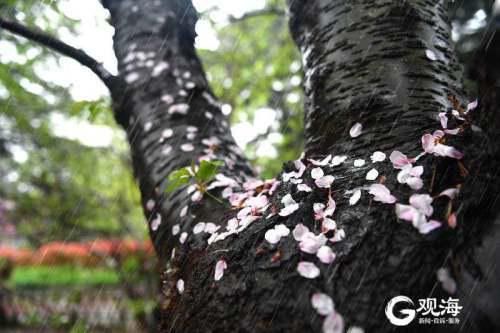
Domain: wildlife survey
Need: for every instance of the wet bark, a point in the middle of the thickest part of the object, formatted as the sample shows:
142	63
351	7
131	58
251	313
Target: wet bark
388	65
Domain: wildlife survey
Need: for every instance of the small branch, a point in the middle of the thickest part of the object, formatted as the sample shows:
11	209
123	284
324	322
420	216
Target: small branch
257	13
111	81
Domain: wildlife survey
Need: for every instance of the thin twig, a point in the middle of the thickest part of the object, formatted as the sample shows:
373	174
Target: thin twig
59	46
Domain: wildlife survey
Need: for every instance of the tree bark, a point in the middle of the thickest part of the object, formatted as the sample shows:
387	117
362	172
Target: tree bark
388	65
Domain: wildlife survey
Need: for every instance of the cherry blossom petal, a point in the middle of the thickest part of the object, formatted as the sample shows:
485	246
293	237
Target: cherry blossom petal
183	211
322	162
428	143
317	173
447	151
447	281
272	236
338	160
282	230
452	220
333	323
288	210
180	286
378	156
176	229
359	162
425	228
454	131
328	224
303	188
443	119
381	193
406	212
220	266
308	270
211	228
450	193
471	106
356	130
299	231
322	303
430	55
199	227
415	183
355	197
325	254
325	181
372	174
155	223
422	202
339	235
399	160
310	243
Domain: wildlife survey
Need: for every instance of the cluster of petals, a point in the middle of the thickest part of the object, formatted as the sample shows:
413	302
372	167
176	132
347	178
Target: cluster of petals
274	235
417	212
431	143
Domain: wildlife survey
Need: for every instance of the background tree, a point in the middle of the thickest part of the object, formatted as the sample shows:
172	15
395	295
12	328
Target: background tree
387	66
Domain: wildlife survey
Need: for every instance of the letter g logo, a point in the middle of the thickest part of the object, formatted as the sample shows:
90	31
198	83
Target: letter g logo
409	313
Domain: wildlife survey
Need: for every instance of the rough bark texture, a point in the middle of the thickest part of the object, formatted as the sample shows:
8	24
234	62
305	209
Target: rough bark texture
365	61
166	89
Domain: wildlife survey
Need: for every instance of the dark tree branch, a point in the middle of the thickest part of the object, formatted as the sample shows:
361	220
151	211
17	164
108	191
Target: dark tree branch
40	37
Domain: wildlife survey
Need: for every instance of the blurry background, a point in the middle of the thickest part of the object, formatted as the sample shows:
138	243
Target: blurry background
74	252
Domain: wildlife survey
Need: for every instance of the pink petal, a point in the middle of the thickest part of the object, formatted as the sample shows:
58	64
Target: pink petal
244	212
334	323
428	143
453	131
322	162
310	243
299	231
282	230
199	227
219	269
471	106
422	202
356	130
355	197
180	286
325	181
328	224
415	183
381	194
272	236
322	303
443	119
325	254
304	188
317	173
308	270
377	156
155	223
338	160
450	193
372	174
289	209
399	159
452	220
405	212
425	228
444	150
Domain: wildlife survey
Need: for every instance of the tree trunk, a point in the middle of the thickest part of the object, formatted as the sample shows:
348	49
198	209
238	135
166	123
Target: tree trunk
385	64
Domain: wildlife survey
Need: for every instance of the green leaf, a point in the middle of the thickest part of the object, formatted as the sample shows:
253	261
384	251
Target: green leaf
177	178
207	170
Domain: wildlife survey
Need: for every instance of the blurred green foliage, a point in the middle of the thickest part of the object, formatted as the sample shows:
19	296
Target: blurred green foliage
46	276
